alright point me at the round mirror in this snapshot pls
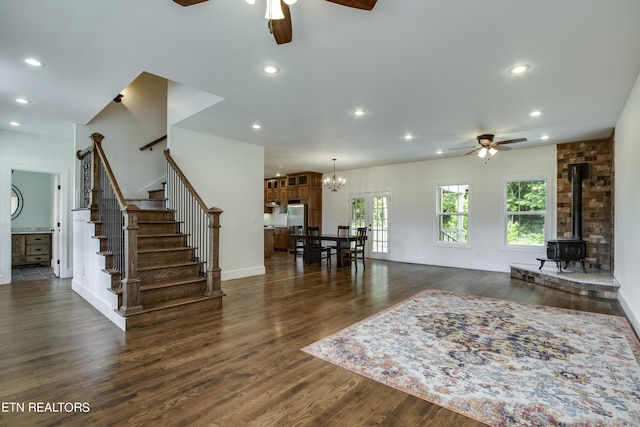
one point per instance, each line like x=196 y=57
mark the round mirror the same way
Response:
x=16 y=202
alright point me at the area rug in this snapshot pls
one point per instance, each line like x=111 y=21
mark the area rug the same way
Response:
x=498 y=362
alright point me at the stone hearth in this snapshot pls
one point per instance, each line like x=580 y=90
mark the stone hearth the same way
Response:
x=594 y=283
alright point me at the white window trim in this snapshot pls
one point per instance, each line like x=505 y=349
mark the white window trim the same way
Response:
x=436 y=218
x=549 y=214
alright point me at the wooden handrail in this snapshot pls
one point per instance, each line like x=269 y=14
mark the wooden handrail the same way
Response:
x=81 y=153
x=152 y=143
x=97 y=142
x=187 y=184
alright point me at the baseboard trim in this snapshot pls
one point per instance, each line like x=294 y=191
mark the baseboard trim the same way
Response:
x=635 y=322
x=241 y=273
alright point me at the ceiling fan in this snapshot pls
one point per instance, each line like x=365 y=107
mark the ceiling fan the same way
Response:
x=281 y=28
x=487 y=145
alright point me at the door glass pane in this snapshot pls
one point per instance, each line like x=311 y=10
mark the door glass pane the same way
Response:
x=379 y=226
x=357 y=214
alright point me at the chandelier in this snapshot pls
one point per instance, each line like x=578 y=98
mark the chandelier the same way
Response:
x=274 y=8
x=333 y=183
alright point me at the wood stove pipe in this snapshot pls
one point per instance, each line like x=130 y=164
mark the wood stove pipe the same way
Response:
x=577 y=172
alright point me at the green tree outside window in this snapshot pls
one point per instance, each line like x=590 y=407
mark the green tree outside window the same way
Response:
x=526 y=212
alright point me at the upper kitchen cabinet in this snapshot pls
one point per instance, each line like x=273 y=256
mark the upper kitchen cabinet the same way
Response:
x=299 y=185
x=275 y=191
x=272 y=190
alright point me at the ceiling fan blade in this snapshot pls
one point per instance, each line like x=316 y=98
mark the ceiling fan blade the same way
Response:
x=460 y=148
x=473 y=151
x=511 y=141
x=358 y=4
x=281 y=28
x=188 y=2
x=502 y=148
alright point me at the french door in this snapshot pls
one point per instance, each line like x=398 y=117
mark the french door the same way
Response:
x=371 y=210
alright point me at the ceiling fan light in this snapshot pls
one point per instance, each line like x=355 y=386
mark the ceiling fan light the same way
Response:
x=274 y=10
x=492 y=151
x=482 y=153
x=290 y=2
x=252 y=2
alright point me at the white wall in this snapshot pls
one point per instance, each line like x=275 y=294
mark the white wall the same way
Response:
x=627 y=206
x=140 y=118
x=412 y=234
x=37 y=154
x=37 y=191
x=228 y=175
x=89 y=279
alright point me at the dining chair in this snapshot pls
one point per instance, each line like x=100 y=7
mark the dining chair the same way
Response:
x=296 y=243
x=314 y=249
x=351 y=254
x=343 y=231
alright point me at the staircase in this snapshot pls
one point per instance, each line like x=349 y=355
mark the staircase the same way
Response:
x=172 y=282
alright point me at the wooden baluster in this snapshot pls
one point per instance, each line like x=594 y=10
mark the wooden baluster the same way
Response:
x=131 y=283
x=214 y=287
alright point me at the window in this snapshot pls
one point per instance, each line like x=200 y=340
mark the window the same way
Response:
x=453 y=213
x=526 y=207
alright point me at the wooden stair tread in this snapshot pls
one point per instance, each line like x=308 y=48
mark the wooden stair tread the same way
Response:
x=156 y=250
x=159 y=267
x=165 y=284
x=147 y=236
x=174 y=303
x=174 y=282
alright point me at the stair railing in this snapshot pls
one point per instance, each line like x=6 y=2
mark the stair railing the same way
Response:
x=198 y=222
x=119 y=221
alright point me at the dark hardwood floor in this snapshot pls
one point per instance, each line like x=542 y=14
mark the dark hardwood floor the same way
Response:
x=238 y=366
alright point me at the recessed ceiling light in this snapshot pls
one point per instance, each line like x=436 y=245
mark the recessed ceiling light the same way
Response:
x=535 y=113
x=256 y=126
x=22 y=100
x=439 y=152
x=270 y=69
x=408 y=137
x=34 y=62
x=14 y=123
x=359 y=112
x=545 y=137
x=519 y=69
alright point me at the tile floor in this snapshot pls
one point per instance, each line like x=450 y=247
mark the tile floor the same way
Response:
x=22 y=274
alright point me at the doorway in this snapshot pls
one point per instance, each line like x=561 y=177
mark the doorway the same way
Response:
x=35 y=225
x=372 y=210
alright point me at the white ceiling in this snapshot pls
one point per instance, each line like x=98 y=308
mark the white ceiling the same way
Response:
x=435 y=69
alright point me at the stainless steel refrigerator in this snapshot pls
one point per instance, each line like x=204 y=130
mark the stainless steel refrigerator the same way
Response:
x=297 y=216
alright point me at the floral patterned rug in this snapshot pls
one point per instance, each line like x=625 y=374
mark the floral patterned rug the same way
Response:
x=498 y=362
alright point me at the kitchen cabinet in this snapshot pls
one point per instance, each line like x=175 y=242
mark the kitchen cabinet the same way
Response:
x=305 y=187
x=275 y=190
x=30 y=249
x=280 y=238
x=268 y=242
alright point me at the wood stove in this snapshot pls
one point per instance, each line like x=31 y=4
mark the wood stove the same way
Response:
x=574 y=249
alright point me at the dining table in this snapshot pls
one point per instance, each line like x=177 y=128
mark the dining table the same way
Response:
x=342 y=242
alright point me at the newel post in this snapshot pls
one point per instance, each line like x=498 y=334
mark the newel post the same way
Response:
x=213 y=270
x=131 y=283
